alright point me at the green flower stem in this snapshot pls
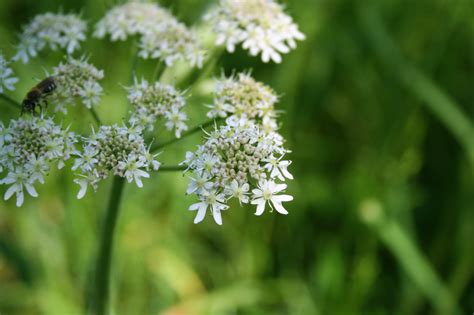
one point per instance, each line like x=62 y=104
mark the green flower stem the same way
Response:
x=409 y=256
x=433 y=97
x=198 y=74
x=95 y=116
x=100 y=296
x=159 y=69
x=190 y=132
x=10 y=101
x=173 y=168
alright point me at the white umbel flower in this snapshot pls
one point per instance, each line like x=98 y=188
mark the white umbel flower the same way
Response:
x=55 y=31
x=7 y=80
x=267 y=193
x=232 y=160
x=260 y=26
x=30 y=146
x=76 y=79
x=241 y=96
x=161 y=35
x=212 y=200
x=154 y=101
x=119 y=150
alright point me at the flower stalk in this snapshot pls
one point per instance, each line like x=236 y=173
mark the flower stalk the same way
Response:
x=100 y=297
x=190 y=132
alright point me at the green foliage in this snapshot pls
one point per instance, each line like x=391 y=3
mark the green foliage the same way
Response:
x=378 y=110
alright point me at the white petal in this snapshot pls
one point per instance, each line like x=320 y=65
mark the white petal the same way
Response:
x=260 y=205
x=31 y=190
x=10 y=191
x=217 y=216
x=19 y=198
x=279 y=207
x=201 y=213
x=83 y=189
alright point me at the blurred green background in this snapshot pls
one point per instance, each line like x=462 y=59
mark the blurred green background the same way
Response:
x=378 y=110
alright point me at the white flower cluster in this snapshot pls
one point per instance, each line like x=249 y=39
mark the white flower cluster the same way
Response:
x=7 y=80
x=151 y=101
x=64 y=31
x=162 y=36
x=29 y=147
x=242 y=97
x=235 y=158
x=117 y=149
x=76 y=78
x=261 y=26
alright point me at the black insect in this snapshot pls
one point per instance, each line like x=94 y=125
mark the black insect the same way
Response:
x=37 y=95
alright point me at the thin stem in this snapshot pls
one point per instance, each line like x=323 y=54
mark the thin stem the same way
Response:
x=100 y=297
x=439 y=103
x=184 y=135
x=159 y=69
x=198 y=74
x=95 y=116
x=409 y=256
x=10 y=101
x=173 y=168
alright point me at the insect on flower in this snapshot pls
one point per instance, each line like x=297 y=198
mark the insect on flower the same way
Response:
x=37 y=95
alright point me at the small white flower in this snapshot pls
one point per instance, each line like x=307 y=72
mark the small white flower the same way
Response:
x=267 y=192
x=30 y=147
x=212 y=200
x=238 y=191
x=199 y=184
x=132 y=166
x=242 y=98
x=7 y=80
x=162 y=36
x=152 y=101
x=176 y=120
x=76 y=79
x=54 y=31
x=90 y=94
x=261 y=26
x=37 y=168
x=278 y=168
x=119 y=150
x=234 y=157
x=18 y=180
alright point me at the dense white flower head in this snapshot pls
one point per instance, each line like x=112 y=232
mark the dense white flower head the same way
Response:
x=240 y=96
x=234 y=158
x=119 y=150
x=76 y=79
x=55 y=31
x=7 y=80
x=162 y=36
x=29 y=147
x=261 y=26
x=153 y=101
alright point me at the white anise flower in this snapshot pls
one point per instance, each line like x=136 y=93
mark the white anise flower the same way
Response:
x=161 y=35
x=119 y=150
x=76 y=79
x=30 y=146
x=240 y=96
x=238 y=191
x=7 y=80
x=152 y=101
x=212 y=200
x=63 y=31
x=261 y=26
x=233 y=158
x=267 y=193
x=278 y=168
